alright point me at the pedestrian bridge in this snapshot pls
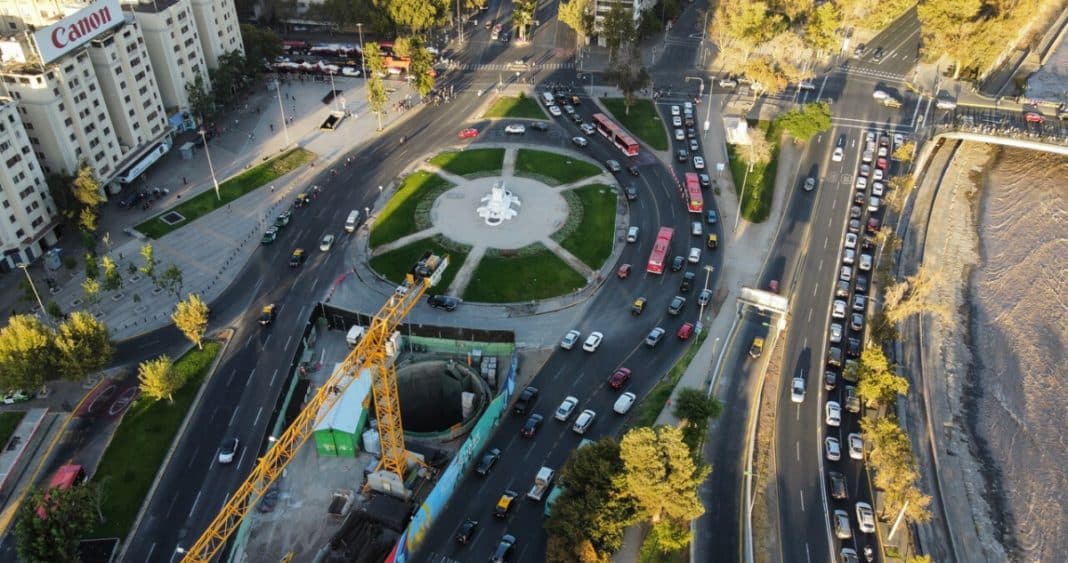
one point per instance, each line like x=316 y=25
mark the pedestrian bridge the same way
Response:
x=1007 y=128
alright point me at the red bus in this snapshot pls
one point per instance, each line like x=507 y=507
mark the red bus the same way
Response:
x=694 y=200
x=616 y=134
x=66 y=477
x=661 y=248
x=295 y=46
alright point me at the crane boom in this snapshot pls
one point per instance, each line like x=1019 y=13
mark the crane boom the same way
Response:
x=370 y=353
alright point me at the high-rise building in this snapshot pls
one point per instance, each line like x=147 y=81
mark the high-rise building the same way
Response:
x=174 y=45
x=27 y=214
x=218 y=28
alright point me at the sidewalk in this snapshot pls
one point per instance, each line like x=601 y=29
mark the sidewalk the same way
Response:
x=212 y=250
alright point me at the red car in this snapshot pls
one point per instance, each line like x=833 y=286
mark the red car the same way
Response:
x=623 y=272
x=619 y=378
x=773 y=286
x=1034 y=117
x=469 y=133
x=685 y=331
x=873 y=225
x=881 y=164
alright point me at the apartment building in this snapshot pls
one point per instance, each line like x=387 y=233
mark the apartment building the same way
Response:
x=170 y=31
x=218 y=28
x=602 y=7
x=27 y=213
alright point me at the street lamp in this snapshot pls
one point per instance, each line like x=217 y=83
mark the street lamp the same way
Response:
x=709 y=268
x=363 y=64
x=281 y=108
x=24 y=267
x=459 y=25
x=741 y=197
x=337 y=99
x=207 y=152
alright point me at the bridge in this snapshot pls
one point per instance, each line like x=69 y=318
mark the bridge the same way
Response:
x=1000 y=127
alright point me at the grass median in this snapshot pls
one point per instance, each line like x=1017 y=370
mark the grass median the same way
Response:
x=397 y=218
x=591 y=227
x=140 y=444
x=533 y=272
x=229 y=190
x=470 y=161
x=759 y=182
x=553 y=168
x=9 y=421
x=643 y=120
x=396 y=263
x=657 y=399
x=516 y=106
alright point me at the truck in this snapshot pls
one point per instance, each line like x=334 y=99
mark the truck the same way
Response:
x=542 y=481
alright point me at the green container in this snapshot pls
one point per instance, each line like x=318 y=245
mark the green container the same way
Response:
x=345 y=442
x=324 y=442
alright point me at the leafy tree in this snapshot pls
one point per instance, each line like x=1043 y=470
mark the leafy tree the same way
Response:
x=618 y=28
x=84 y=346
x=87 y=220
x=27 y=353
x=807 y=122
x=759 y=149
x=669 y=535
x=159 y=379
x=882 y=330
x=905 y=151
x=86 y=188
x=171 y=280
x=416 y=16
x=227 y=79
x=112 y=276
x=877 y=382
x=919 y=559
x=746 y=23
x=376 y=97
x=578 y=15
x=91 y=291
x=766 y=75
x=821 y=27
x=201 y=103
x=631 y=77
x=54 y=310
x=92 y=269
x=261 y=44
x=914 y=296
x=403 y=47
x=191 y=317
x=149 y=267
x=67 y=518
x=946 y=28
x=695 y=409
x=523 y=15
x=421 y=67
x=373 y=59
x=660 y=474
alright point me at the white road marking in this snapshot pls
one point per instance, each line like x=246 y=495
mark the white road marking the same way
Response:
x=802 y=500
x=288 y=340
x=193 y=457
x=266 y=340
x=809 y=316
x=798 y=448
x=258 y=413
x=313 y=283
x=152 y=547
x=273 y=375
x=231 y=423
x=194 y=508
x=231 y=379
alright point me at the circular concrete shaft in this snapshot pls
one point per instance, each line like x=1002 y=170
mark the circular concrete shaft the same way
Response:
x=542 y=213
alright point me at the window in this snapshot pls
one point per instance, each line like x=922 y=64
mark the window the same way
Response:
x=68 y=122
x=4 y=146
x=13 y=160
x=37 y=222
x=62 y=107
x=19 y=233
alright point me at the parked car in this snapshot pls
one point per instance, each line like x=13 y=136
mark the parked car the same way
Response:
x=839 y=490
x=865 y=518
x=624 y=402
x=832 y=448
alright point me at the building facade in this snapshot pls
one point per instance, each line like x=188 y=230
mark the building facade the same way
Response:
x=28 y=215
x=218 y=28
x=174 y=45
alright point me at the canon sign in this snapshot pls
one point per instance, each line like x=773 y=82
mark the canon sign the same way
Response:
x=77 y=29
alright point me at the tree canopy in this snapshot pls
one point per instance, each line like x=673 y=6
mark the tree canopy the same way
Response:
x=49 y=524
x=577 y=14
x=877 y=381
x=191 y=317
x=807 y=122
x=159 y=379
x=83 y=346
x=660 y=474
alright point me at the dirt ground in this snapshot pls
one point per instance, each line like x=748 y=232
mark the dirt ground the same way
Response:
x=1003 y=253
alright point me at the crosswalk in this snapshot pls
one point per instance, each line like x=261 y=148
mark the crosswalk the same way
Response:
x=862 y=71
x=513 y=66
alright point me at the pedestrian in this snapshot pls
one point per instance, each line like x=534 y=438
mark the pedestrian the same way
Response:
x=272 y=127
x=184 y=182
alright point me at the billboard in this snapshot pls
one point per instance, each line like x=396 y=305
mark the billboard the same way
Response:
x=77 y=29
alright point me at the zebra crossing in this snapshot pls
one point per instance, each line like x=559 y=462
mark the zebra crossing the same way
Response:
x=862 y=71
x=513 y=66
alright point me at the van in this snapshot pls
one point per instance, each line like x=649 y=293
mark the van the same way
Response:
x=355 y=335
x=352 y=221
x=945 y=104
x=547 y=98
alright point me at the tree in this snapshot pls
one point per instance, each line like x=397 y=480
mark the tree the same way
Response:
x=807 y=122
x=822 y=26
x=159 y=379
x=191 y=317
x=946 y=28
x=373 y=59
x=523 y=16
x=877 y=381
x=695 y=409
x=92 y=269
x=87 y=220
x=227 y=79
x=670 y=535
x=376 y=97
x=171 y=280
x=261 y=44
x=576 y=14
x=759 y=150
x=766 y=75
x=91 y=291
x=915 y=296
x=618 y=28
x=201 y=103
x=112 y=276
x=84 y=346
x=87 y=193
x=27 y=353
x=631 y=77
x=747 y=23
x=402 y=47
x=904 y=152
x=660 y=474
x=67 y=518
x=421 y=67
x=415 y=16
x=149 y=267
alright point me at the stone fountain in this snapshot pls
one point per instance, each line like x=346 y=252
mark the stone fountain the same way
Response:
x=497 y=206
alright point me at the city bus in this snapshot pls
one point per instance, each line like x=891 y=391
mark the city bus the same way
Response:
x=695 y=202
x=661 y=248
x=66 y=477
x=614 y=133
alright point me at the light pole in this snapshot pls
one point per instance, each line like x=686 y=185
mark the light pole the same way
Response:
x=708 y=110
x=337 y=100
x=709 y=268
x=281 y=108
x=211 y=168
x=363 y=64
x=459 y=25
x=741 y=197
x=24 y=267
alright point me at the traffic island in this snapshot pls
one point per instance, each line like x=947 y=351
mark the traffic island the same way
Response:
x=395 y=264
x=642 y=119
x=553 y=168
x=398 y=218
x=533 y=272
x=756 y=184
x=590 y=228
x=516 y=106
x=470 y=162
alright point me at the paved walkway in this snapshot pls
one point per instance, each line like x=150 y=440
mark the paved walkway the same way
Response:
x=211 y=250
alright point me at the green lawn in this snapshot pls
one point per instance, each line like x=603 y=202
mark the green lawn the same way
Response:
x=553 y=168
x=229 y=190
x=536 y=273
x=399 y=261
x=591 y=239
x=9 y=421
x=516 y=106
x=760 y=182
x=397 y=218
x=141 y=441
x=471 y=161
x=654 y=402
x=644 y=121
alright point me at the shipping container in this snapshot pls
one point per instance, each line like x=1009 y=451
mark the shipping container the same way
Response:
x=324 y=442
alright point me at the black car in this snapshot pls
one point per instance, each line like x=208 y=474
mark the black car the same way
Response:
x=677 y=263
x=682 y=155
x=677 y=303
x=443 y=302
x=576 y=118
x=838 y=485
x=489 y=459
x=633 y=171
x=632 y=192
x=467 y=531
x=504 y=549
x=704 y=180
x=687 y=281
x=530 y=427
x=526 y=399
x=862 y=284
x=830 y=380
x=539 y=126
x=834 y=357
x=853 y=348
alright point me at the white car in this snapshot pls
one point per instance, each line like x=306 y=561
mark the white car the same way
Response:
x=833 y=448
x=899 y=140
x=841 y=525
x=624 y=402
x=593 y=341
x=865 y=262
x=584 y=421
x=862 y=183
x=680 y=135
x=880 y=95
x=877 y=174
x=869 y=137
x=873 y=204
x=563 y=412
x=839 y=309
x=515 y=129
x=856 y=446
x=326 y=243
x=851 y=240
x=696 y=229
x=570 y=339
x=877 y=189
x=836 y=333
x=865 y=518
x=675 y=111
x=632 y=234
x=580 y=141
x=613 y=165
x=846 y=274
x=848 y=255
x=797 y=390
x=833 y=414
x=866 y=157
x=695 y=255
x=587 y=128
x=698 y=163
x=676 y=121
x=838 y=154
x=555 y=111
x=883 y=151
x=228 y=450
x=865 y=170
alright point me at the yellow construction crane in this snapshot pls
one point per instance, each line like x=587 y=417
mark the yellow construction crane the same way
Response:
x=371 y=353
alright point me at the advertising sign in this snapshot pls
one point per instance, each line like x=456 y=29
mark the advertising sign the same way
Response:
x=77 y=29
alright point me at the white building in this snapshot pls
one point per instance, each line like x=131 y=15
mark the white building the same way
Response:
x=27 y=214
x=218 y=28
x=174 y=45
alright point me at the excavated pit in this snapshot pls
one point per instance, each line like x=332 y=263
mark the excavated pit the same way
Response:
x=431 y=395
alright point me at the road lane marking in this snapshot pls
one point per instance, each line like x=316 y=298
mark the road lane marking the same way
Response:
x=232 y=416
x=194 y=508
x=266 y=340
x=193 y=457
x=802 y=492
x=300 y=314
x=288 y=341
x=231 y=379
x=809 y=316
x=798 y=452
x=258 y=413
x=151 y=548
x=273 y=375
x=249 y=341
x=808 y=556
x=314 y=282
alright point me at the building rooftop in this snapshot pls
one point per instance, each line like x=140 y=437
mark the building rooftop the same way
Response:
x=150 y=6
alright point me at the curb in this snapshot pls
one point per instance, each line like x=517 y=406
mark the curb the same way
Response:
x=174 y=444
